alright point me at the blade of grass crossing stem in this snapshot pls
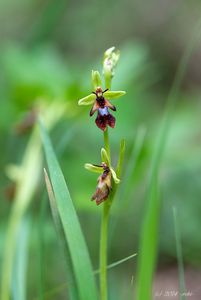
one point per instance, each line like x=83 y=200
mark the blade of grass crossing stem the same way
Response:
x=20 y=265
x=117 y=263
x=59 y=288
x=77 y=247
x=148 y=245
x=72 y=290
x=182 y=288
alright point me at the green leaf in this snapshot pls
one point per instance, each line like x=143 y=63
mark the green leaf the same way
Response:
x=148 y=245
x=105 y=157
x=77 y=247
x=88 y=100
x=149 y=235
x=19 y=274
x=114 y=94
x=93 y=168
x=69 y=270
x=96 y=79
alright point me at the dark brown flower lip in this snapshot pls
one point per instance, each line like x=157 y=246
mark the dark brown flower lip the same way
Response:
x=103 y=120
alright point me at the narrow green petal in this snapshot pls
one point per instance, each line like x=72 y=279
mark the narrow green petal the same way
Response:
x=114 y=94
x=87 y=100
x=104 y=157
x=114 y=175
x=96 y=79
x=93 y=168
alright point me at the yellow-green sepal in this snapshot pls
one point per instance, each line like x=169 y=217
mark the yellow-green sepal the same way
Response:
x=114 y=94
x=93 y=168
x=88 y=100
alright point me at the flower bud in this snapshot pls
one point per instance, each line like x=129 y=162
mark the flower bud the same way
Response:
x=110 y=60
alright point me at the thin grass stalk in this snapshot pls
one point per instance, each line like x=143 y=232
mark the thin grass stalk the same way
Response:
x=147 y=258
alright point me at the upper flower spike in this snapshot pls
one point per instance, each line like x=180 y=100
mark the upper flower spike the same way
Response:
x=100 y=100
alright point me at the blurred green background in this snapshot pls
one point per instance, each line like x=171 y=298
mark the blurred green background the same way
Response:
x=47 y=51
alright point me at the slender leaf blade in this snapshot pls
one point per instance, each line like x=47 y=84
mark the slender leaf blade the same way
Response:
x=21 y=256
x=72 y=289
x=74 y=236
x=148 y=246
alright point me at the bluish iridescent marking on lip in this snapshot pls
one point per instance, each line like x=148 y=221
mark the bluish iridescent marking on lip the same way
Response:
x=103 y=111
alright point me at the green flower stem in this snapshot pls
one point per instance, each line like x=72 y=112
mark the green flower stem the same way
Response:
x=104 y=234
x=107 y=144
x=103 y=251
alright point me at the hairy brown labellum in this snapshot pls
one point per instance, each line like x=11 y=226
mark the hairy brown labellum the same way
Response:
x=104 y=186
x=103 y=120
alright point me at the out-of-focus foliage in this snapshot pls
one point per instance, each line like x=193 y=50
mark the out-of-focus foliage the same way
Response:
x=47 y=52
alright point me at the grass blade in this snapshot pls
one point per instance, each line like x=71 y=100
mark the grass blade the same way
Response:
x=148 y=246
x=182 y=289
x=149 y=235
x=26 y=179
x=20 y=266
x=70 y=276
x=59 y=288
x=116 y=263
x=73 y=234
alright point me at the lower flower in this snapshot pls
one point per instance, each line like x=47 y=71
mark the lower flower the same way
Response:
x=104 y=186
x=108 y=175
